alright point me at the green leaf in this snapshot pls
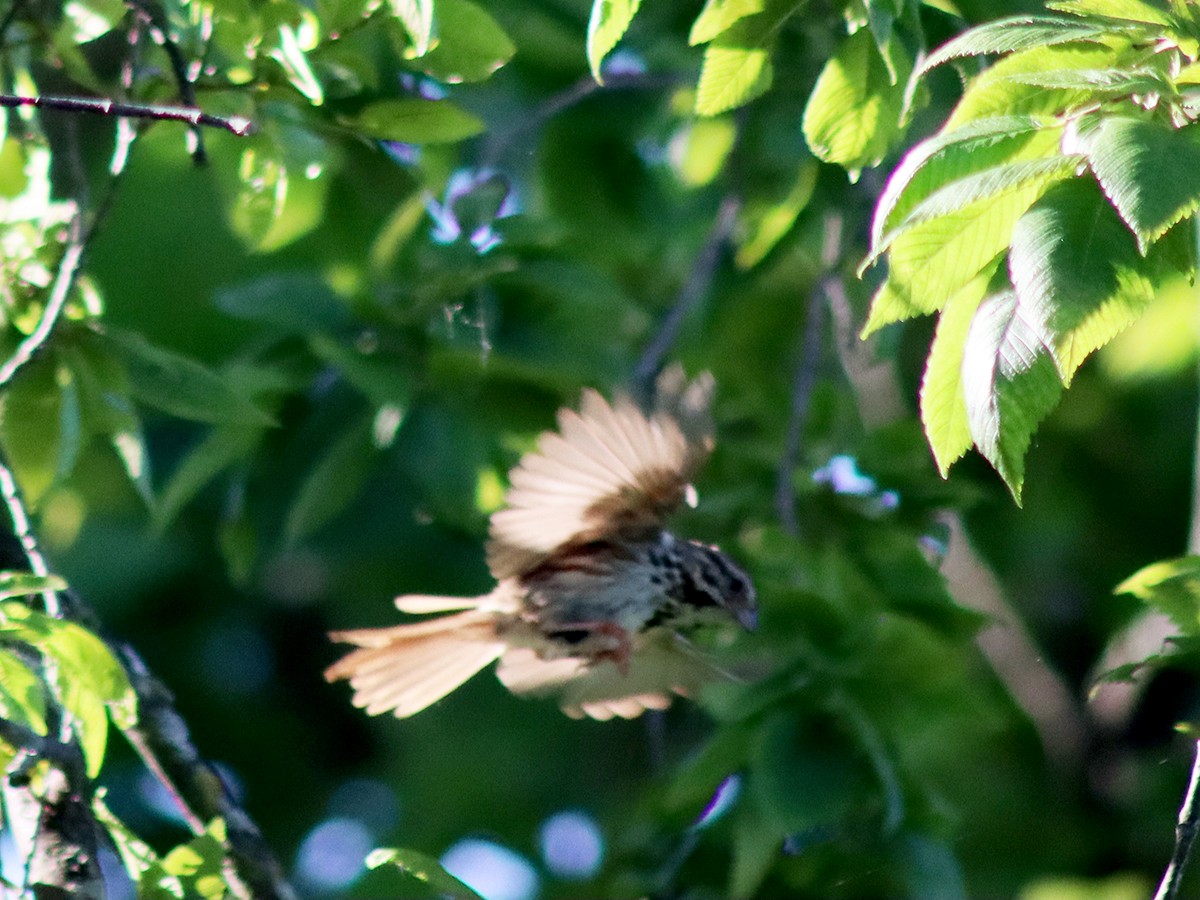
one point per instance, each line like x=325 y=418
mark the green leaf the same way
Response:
x=764 y=224
x=333 y=482
x=424 y=868
x=1149 y=171
x=703 y=147
x=1121 y=81
x=40 y=426
x=1009 y=384
x=756 y=844
x=1012 y=34
x=718 y=16
x=737 y=65
x=181 y=386
x=291 y=58
x=22 y=695
x=142 y=864
x=853 y=114
x=953 y=155
x=471 y=44
x=996 y=92
x=292 y=302
x=223 y=447
x=607 y=24
x=943 y=404
x=930 y=262
x=1127 y=10
x=416 y=121
x=417 y=18
x=1172 y=587
x=200 y=863
x=24 y=584
x=1077 y=273
x=262 y=194
x=88 y=680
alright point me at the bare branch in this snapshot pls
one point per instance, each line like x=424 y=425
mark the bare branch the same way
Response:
x=1185 y=835
x=101 y=106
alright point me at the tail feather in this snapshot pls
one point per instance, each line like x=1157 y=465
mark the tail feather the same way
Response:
x=419 y=604
x=406 y=668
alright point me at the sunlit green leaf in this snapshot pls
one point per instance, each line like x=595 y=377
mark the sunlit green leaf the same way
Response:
x=607 y=25
x=1011 y=34
x=417 y=18
x=295 y=64
x=1149 y=171
x=737 y=65
x=423 y=868
x=1172 y=587
x=853 y=113
x=23 y=584
x=1009 y=384
x=1077 y=272
x=22 y=695
x=718 y=16
x=1130 y=10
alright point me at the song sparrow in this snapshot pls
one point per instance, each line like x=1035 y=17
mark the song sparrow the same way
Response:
x=592 y=594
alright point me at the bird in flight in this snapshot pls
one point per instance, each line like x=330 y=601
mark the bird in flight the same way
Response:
x=593 y=595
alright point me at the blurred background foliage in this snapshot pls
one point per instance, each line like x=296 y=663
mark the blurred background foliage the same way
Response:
x=290 y=382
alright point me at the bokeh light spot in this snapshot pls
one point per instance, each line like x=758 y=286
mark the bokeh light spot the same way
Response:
x=492 y=871
x=571 y=844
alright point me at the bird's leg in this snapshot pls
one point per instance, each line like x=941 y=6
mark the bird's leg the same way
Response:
x=620 y=644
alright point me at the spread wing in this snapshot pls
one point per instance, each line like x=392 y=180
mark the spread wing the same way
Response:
x=661 y=665
x=609 y=471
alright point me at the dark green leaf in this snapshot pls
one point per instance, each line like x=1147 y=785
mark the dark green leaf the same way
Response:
x=40 y=426
x=224 y=446
x=181 y=386
x=416 y=121
x=293 y=302
x=471 y=44
x=335 y=479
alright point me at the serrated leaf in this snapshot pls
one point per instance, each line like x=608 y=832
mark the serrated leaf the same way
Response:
x=1013 y=34
x=417 y=18
x=930 y=262
x=607 y=24
x=730 y=77
x=959 y=194
x=1171 y=586
x=1128 y=10
x=335 y=479
x=943 y=404
x=853 y=114
x=995 y=92
x=471 y=44
x=1149 y=171
x=952 y=155
x=1009 y=384
x=1115 y=80
x=223 y=447
x=414 y=121
x=718 y=16
x=1077 y=273
x=180 y=386
x=141 y=862
x=424 y=868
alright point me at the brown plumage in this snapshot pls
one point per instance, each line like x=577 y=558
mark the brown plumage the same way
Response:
x=592 y=595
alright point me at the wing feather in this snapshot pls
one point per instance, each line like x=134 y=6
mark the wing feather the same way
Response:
x=609 y=469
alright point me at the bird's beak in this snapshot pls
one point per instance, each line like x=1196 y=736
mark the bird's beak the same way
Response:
x=747 y=617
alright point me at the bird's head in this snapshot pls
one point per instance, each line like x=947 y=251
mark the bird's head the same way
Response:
x=714 y=580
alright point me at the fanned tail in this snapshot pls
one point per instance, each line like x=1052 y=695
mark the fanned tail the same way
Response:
x=405 y=668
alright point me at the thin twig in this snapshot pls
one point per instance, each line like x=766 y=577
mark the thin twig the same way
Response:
x=160 y=30
x=827 y=290
x=693 y=291
x=102 y=106
x=68 y=268
x=1185 y=835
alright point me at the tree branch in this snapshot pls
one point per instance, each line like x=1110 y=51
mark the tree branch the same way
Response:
x=693 y=291
x=101 y=106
